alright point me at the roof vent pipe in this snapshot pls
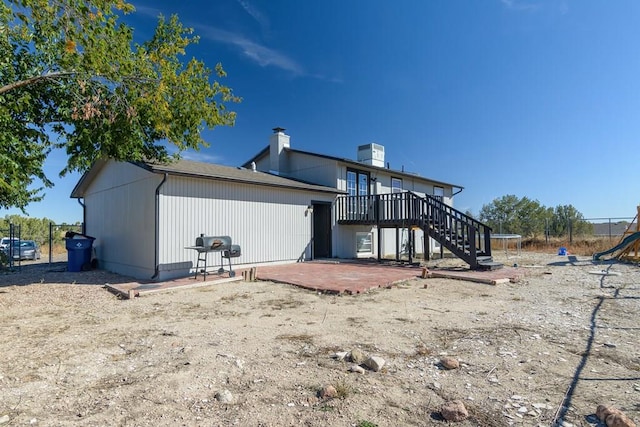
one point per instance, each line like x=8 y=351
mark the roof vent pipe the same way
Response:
x=253 y=166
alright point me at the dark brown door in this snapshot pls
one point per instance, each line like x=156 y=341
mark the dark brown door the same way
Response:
x=321 y=230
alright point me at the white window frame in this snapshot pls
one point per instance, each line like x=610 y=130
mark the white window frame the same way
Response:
x=395 y=188
x=364 y=243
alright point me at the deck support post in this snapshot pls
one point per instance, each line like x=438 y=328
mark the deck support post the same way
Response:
x=410 y=244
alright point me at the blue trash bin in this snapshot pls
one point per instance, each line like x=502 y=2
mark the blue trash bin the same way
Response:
x=78 y=254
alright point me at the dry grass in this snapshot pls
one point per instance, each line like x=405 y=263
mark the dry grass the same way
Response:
x=584 y=246
x=58 y=249
x=343 y=390
x=297 y=338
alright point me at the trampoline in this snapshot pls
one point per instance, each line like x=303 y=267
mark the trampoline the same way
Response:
x=505 y=242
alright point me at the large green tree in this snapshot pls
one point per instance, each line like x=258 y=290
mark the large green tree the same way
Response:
x=510 y=214
x=72 y=78
x=567 y=219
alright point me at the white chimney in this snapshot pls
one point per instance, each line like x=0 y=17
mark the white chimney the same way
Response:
x=371 y=154
x=277 y=143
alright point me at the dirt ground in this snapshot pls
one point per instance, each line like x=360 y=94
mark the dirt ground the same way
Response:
x=544 y=351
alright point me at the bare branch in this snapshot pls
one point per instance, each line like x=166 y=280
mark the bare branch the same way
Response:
x=36 y=79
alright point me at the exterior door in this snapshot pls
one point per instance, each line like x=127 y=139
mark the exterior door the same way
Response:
x=358 y=185
x=321 y=230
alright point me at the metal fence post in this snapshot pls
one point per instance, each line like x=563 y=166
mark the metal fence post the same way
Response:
x=50 y=242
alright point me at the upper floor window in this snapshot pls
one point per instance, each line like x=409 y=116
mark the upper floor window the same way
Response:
x=357 y=183
x=438 y=192
x=396 y=185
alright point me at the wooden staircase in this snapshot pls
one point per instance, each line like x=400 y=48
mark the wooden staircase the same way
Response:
x=464 y=236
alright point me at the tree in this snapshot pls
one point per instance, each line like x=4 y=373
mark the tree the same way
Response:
x=72 y=78
x=509 y=214
x=566 y=218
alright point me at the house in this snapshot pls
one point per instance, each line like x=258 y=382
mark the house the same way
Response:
x=363 y=178
x=283 y=205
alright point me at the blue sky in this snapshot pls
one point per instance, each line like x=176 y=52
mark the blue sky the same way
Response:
x=533 y=98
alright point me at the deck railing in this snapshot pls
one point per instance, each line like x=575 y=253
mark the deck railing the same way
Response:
x=458 y=232
x=469 y=234
x=379 y=209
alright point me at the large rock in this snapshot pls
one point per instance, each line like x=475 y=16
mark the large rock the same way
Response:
x=454 y=410
x=613 y=417
x=603 y=411
x=224 y=396
x=449 y=363
x=328 y=392
x=356 y=368
x=375 y=363
x=357 y=356
x=619 y=420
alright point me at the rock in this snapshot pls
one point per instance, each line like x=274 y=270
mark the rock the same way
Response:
x=541 y=406
x=4 y=419
x=449 y=363
x=375 y=363
x=328 y=392
x=339 y=355
x=619 y=420
x=603 y=411
x=356 y=368
x=224 y=396
x=357 y=356
x=454 y=410
x=613 y=417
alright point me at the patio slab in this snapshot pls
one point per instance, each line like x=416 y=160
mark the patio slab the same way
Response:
x=327 y=276
x=337 y=276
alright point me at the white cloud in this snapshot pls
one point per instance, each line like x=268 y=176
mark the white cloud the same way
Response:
x=199 y=156
x=260 y=18
x=149 y=11
x=258 y=53
x=519 y=5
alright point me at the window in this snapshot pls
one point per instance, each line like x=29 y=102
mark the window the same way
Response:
x=438 y=192
x=351 y=183
x=357 y=185
x=363 y=242
x=396 y=185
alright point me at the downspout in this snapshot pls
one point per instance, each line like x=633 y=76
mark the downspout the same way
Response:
x=157 y=226
x=84 y=216
x=457 y=192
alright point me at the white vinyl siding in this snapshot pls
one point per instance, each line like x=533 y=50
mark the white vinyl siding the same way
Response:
x=269 y=224
x=120 y=207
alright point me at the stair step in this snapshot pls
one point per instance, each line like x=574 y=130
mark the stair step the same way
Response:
x=487 y=263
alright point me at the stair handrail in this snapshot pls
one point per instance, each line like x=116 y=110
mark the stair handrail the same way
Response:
x=475 y=227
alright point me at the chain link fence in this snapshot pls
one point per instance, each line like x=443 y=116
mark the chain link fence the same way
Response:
x=612 y=228
x=50 y=243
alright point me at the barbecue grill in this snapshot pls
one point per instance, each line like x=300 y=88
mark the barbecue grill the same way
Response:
x=222 y=244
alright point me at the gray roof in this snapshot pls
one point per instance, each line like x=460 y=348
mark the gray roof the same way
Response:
x=203 y=170
x=237 y=174
x=360 y=165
